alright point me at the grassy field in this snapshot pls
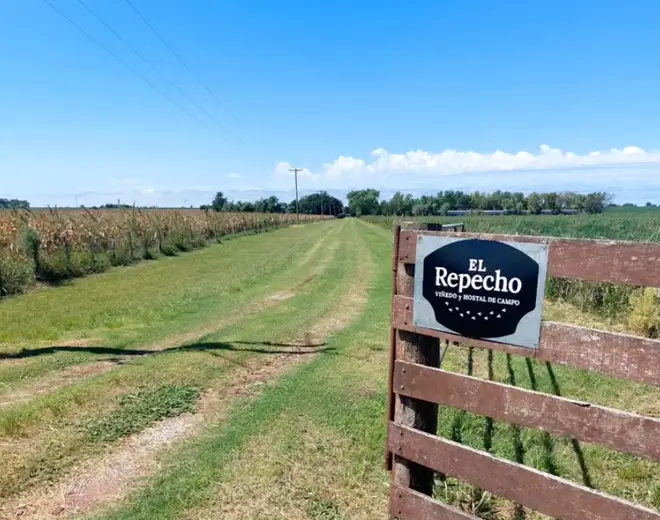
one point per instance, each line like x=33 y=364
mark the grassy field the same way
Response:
x=248 y=380
x=613 y=304
x=642 y=226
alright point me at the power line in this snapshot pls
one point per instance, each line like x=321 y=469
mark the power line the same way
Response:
x=120 y=38
x=146 y=22
x=47 y=2
x=192 y=73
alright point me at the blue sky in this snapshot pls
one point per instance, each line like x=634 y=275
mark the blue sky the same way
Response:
x=411 y=95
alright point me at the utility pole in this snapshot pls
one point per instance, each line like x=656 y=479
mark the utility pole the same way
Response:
x=295 y=173
x=322 y=195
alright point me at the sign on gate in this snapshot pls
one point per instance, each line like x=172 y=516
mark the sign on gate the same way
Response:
x=480 y=289
x=486 y=292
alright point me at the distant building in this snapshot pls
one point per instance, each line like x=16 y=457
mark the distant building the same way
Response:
x=466 y=212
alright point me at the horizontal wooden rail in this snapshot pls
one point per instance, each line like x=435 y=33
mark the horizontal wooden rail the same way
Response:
x=618 y=355
x=631 y=263
x=545 y=493
x=407 y=504
x=622 y=431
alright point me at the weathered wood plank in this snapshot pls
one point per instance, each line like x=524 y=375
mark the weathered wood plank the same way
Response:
x=542 y=492
x=632 y=263
x=407 y=504
x=392 y=347
x=424 y=350
x=622 y=431
x=618 y=355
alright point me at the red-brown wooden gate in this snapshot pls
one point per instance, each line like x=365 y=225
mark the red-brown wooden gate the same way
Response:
x=417 y=386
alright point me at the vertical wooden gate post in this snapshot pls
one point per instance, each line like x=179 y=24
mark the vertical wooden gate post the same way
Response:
x=421 y=415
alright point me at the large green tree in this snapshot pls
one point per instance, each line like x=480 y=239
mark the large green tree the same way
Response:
x=363 y=202
x=219 y=202
x=321 y=203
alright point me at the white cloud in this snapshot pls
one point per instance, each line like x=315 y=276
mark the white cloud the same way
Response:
x=452 y=162
x=630 y=172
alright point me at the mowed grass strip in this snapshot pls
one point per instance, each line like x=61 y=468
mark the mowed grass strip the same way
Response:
x=35 y=454
x=190 y=480
x=179 y=298
x=312 y=446
x=110 y=301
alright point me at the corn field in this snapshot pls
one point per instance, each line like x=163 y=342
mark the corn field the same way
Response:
x=51 y=246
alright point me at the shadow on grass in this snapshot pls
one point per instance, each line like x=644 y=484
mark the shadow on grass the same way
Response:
x=518 y=446
x=488 y=430
x=548 y=448
x=260 y=347
x=586 y=477
x=546 y=439
x=459 y=418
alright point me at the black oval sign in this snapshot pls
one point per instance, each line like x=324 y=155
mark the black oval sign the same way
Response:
x=480 y=288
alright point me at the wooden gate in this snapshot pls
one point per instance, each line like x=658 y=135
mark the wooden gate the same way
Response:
x=414 y=452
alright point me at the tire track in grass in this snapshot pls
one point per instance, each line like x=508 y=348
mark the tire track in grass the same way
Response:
x=79 y=372
x=99 y=483
x=275 y=476
x=54 y=382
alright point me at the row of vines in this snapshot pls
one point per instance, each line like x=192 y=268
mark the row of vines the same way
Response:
x=53 y=246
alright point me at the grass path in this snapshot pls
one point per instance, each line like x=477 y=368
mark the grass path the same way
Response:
x=316 y=304
x=188 y=485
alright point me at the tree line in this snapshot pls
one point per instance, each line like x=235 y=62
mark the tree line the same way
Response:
x=320 y=203
x=368 y=202
x=14 y=204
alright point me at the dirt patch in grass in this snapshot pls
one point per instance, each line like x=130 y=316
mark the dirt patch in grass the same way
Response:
x=280 y=296
x=52 y=382
x=107 y=479
x=103 y=480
